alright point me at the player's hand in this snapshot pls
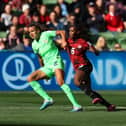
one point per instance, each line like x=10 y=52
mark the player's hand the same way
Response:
x=119 y=30
x=64 y=45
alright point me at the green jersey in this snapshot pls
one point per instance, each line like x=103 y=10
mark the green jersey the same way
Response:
x=46 y=47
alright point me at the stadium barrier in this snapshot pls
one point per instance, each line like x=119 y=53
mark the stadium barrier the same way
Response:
x=109 y=71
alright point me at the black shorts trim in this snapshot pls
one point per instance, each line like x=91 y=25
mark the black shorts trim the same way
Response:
x=86 y=68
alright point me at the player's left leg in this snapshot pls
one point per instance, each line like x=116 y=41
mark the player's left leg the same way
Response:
x=59 y=73
x=82 y=80
x=32 y=79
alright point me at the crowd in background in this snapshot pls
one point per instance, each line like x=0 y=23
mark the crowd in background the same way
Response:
x=94 y=15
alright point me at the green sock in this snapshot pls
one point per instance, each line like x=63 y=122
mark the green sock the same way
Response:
x=39 y=90
x=69 y=94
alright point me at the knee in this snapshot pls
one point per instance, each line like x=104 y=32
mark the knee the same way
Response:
x=88 y=92
x=60 y=82
x=29 y=79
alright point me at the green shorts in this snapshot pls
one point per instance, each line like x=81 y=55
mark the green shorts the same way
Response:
x=51 y=66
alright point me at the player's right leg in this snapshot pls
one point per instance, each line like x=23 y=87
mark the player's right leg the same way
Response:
x=32 y=79
x=59 y=73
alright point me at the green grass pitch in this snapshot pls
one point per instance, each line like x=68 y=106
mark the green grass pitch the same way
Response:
x=22 y=109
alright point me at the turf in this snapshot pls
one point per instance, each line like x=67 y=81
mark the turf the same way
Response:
x=22 y=109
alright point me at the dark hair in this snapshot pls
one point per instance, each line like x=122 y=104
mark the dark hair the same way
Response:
x=72 y=14
x=110 y=4
x=35 y=14
x=82 y=31
x=39 y=26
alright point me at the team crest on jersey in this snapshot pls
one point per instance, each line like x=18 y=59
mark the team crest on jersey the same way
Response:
x=79 y=46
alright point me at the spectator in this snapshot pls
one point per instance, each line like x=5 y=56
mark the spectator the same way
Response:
x=114 y=22
x=95 y=22
x=6 y=16
x=15 y=22
x=54 y=24
x=119 y=5
x=2 y=44
x=83 y=6
x=101 y=44
x=71 y=21
x=57 y=10
x=25 y=18
x=100 y=6
x=2 y=5
x=60 y=18
x=13 y=41
x=27 y=43
x=44 y=18
x=64 y=7
x=17 y=5
x=33 y=4
x=36 y=17
x=118 y=47
x=73 y=5
x=2 y=26
x=78 y=13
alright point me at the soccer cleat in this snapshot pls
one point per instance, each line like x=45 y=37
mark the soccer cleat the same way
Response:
x=46 y=104
x=96 y=100
x=111 y=108
x=77 y=109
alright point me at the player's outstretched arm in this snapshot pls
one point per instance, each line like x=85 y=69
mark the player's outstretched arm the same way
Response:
x=62 y=42
x=93 y=49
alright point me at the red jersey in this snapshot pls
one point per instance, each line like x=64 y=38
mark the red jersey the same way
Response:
x=76 y=50
x=25 y=20
x=114 y=22
x=44 y=19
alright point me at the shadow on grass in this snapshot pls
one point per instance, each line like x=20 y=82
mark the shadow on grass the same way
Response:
x=118 y=108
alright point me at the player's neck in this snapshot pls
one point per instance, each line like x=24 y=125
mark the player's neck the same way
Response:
x=38 y=37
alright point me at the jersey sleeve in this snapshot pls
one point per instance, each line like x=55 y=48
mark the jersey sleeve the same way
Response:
x=34 y=48
x=35 y=51
x=86 y=45
x=50 y=33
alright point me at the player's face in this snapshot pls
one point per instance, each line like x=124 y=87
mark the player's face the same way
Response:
x=33 y=32
x=72 y=32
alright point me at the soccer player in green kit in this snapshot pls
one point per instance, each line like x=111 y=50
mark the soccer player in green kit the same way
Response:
x=52 y=64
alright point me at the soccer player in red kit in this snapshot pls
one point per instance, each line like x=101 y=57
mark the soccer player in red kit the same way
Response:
x=77 y=48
